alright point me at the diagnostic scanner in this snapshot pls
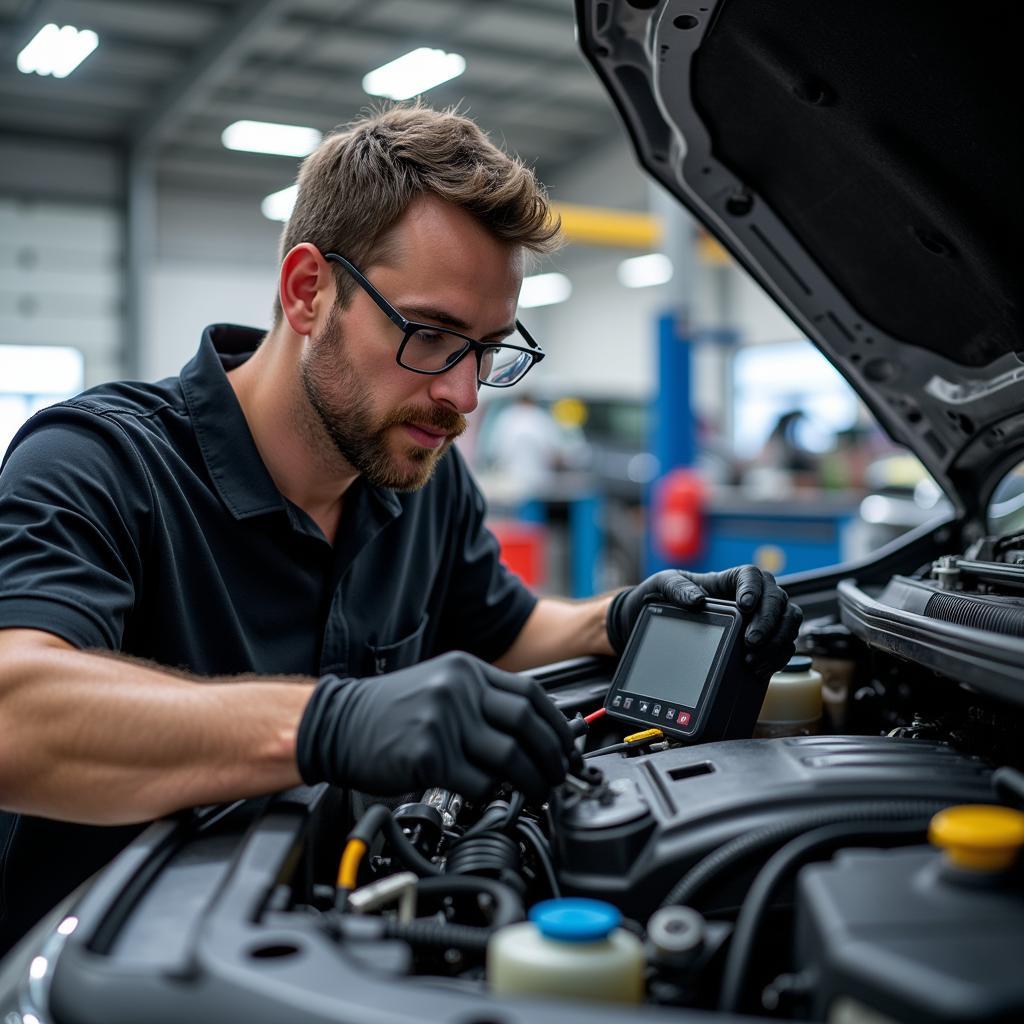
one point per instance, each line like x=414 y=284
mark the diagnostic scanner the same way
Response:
x=685 y=672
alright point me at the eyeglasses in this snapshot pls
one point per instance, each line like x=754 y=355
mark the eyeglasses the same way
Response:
x=427 y=348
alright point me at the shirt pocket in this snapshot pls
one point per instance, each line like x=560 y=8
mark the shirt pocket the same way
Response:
x=400 y=654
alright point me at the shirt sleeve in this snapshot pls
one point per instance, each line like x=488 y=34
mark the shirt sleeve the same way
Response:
x=487 y=605
x=74 y=501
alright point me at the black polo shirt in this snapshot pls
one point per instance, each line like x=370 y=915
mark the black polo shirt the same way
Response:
x=140 y=518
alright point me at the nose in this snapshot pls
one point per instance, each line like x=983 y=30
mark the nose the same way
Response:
x=457 y=388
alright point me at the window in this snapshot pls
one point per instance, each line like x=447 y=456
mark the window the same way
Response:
x=793 y=376
x=32 y=377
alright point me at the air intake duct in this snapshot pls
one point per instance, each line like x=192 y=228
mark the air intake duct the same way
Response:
x=977 y=613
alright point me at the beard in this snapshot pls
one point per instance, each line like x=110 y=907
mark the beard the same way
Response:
x=341 y=403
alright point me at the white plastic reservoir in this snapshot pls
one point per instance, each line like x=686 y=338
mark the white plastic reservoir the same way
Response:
x=792 y=705
x=569 y=947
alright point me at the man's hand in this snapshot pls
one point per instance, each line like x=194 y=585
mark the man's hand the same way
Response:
x=772 y=622
x=453 y=721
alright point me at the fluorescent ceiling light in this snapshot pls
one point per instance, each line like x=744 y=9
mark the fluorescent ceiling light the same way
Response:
x=413 y=73
x=266 y=137
x=278 y=205
x=544 y=290
x=644 y=271
x=57 y=51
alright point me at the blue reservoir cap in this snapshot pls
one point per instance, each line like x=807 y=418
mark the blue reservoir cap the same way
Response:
x=575 y=920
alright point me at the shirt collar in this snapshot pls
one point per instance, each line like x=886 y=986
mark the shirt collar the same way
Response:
x=229 y=451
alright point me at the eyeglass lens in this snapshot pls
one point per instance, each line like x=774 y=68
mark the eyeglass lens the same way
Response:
x=434 y=350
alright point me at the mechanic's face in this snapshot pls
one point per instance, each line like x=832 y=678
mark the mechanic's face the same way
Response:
x=388 y=423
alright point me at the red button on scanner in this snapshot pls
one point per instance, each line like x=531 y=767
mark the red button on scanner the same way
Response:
x=683 y=718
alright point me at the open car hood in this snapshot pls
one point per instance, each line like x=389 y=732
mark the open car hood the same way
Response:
x=864 y=164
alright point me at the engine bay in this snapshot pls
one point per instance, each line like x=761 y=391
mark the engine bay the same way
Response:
x=787 y=877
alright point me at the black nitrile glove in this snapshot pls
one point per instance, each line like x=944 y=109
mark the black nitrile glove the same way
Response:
x=772 y=621
x=453 y=721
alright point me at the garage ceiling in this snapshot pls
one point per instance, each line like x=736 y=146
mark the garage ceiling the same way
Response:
x=171 y=75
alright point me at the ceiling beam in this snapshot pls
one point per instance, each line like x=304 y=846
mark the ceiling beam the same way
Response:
x=219 y=58
x=107 y=94
x=51 y=120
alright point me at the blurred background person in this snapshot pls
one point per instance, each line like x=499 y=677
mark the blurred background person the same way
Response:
x=523 y=450
x=783 y=464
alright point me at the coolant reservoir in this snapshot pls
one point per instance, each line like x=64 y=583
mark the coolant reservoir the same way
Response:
x=792 y=705
x=831 y=651
x=569 y=947
x=912 y=934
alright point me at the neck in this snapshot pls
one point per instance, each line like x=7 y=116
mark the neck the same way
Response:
x=290 y=439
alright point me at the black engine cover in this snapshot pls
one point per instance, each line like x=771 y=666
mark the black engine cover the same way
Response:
x=662 y=812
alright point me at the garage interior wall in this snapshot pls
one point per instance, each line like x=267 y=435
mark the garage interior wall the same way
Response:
x=62 y=285
x=216 y=262
x=61 y=251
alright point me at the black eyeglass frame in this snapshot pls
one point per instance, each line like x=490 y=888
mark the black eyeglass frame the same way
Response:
x=410 y=327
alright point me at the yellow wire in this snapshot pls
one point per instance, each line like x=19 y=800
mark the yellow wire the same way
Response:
x=647 y=734
x=348 y=869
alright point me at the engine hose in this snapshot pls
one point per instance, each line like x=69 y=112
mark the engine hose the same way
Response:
x=506 y=906
x=779 y=866
x=482 y=853
x=530 y=831
x=378 y=819
x=515 y=808
x=499 y=815
x=1009 y=784
x=491 y=818
x=735 y=850
x=977 y=613
x=492 y=854
x=438 y=934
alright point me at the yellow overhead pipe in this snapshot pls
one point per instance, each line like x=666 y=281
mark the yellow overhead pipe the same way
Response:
x=628 y=229
x=595 y=225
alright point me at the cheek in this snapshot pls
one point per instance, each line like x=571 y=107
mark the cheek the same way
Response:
x=398 y=386
x=373 y=378
x=385 y=397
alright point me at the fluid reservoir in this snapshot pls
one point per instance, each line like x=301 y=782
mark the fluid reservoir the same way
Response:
x=831 y=650
x=792 y=705
x=915 y=934
x=569 y=947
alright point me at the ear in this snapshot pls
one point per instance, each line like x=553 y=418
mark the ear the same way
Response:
x=306 y=287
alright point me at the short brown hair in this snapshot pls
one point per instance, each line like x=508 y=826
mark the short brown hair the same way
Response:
x=359 y=181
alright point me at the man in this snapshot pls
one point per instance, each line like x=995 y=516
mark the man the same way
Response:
x=181 y=562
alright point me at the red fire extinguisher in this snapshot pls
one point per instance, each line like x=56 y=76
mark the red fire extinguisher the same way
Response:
x=678 y=515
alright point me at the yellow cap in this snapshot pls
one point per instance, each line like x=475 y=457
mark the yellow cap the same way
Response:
x=979 y=837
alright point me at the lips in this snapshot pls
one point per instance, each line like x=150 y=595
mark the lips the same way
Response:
x=426 y=437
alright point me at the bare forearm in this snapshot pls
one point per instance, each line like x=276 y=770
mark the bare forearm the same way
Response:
x=96 y=739
x=557 y=630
